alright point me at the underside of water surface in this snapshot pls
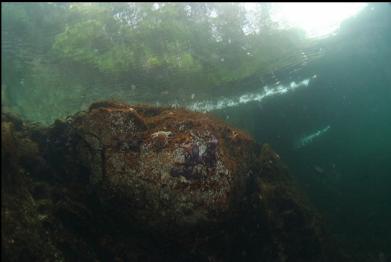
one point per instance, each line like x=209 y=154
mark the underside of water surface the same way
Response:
x=196 y=131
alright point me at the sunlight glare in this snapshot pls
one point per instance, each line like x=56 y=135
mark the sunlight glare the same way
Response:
x=316 y=19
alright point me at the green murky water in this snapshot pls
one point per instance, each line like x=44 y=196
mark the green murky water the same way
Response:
x=324 y=103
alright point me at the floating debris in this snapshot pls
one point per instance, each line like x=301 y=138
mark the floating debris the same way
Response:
x=319 y=169
x=311 y=137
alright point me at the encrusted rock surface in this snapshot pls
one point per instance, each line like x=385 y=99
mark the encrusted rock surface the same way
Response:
x=171 y=168
x=140 y=183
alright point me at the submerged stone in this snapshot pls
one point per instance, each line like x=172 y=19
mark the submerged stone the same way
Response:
x=140 y=183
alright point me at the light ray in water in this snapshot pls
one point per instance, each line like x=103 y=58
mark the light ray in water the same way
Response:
x=310 y=138
x=206 y=106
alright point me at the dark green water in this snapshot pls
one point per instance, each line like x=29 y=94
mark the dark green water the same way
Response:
x=346 y=170
x=333 y=130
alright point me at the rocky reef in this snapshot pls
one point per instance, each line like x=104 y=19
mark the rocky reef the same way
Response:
x=142 y=183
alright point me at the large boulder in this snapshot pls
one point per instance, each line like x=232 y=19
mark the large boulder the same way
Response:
x=162 y=167
x=141 y=183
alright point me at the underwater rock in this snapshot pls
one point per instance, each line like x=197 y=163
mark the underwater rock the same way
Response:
x=141 y=183
x=172 y=171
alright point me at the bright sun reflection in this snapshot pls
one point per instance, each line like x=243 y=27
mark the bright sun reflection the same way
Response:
x=316 y=19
